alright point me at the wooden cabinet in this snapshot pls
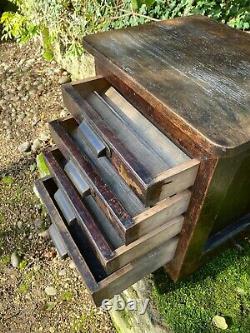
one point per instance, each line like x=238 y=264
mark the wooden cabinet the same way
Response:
x=152 y=167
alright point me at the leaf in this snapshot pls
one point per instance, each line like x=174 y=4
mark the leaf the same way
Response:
x=67 y=296
x=48 y=55
x=23 y=264
x=220 y=322
x=149 y=3
x=42 y=165
x=135 y=4
x=8 y=180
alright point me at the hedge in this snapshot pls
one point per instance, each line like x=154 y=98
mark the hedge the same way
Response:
x=67 y=21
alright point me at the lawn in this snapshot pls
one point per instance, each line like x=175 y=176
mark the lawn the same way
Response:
x=221 y=287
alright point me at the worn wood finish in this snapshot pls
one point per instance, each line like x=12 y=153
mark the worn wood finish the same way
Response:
x=143 y=219
x=193 y=111
x=212 y=216
x=45 y=187
x=185 y=75
x=139 y=248
x=105 y=197
x=117 y=122
x=201 y=190
x=199 y=98
x=100 y=284
x=148 y=133
x=164 y=226
x=89 y=227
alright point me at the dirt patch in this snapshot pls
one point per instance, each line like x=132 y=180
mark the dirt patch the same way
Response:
x=30 y=97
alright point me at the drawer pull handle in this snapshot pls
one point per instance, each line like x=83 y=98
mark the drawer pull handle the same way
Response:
x=64 y=206
x=58 y=241
x=95 y=143
x=77 y=178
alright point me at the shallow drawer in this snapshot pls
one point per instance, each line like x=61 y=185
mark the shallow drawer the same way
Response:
x=121 y=206
x=151 y=164
x=104 y=239
x=101 y=284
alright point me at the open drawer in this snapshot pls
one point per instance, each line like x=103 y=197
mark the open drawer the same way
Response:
x=110 y=249
x=100 y=284
x=123 y=209
x=151 y=164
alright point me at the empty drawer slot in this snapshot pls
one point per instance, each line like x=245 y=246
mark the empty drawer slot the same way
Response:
x=130 y=217
x=151 y=164
x=100 y=284
x=121 y=253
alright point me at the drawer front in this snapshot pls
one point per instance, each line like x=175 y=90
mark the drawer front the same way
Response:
x=125 y=211
x=145 y=158
x=112 y=251
x=101 y=284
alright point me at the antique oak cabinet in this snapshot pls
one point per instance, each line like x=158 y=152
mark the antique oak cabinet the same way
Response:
x=152 y=168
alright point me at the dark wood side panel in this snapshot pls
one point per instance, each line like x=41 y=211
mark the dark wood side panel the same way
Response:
x=208 y=211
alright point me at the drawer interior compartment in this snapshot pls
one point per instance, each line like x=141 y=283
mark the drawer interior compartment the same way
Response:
x=110 y=249
x=125 y=211
x=101 y=284
x=151 y=164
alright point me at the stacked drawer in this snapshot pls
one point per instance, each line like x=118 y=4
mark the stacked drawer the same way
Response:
x=118 y=189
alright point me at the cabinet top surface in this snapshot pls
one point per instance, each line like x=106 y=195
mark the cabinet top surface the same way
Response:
x=197 y=69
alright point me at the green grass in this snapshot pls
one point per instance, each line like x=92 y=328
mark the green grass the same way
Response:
x=221 y=287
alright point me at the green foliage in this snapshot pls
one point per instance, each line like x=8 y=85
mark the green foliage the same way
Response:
x=136 y=4
x=17 y=26
x=67 y=21
x=4 y=261
x=23 y=264
x=235 y=13
x=67 y=296
x=221 y=287
x=7 y=180
x=42 y=165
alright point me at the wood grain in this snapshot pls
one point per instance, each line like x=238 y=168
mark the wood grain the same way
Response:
x=143 y=220
x=193 y=65
x=112 y=207
x=104 y=286
x=140 y=153
x=89 y=227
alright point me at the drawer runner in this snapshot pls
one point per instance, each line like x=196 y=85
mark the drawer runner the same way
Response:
x=142 y=222
x=152 y=165
x=101 y=284
x=166 y=224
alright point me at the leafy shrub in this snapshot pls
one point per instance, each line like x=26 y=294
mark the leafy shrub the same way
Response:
x=67 y=21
